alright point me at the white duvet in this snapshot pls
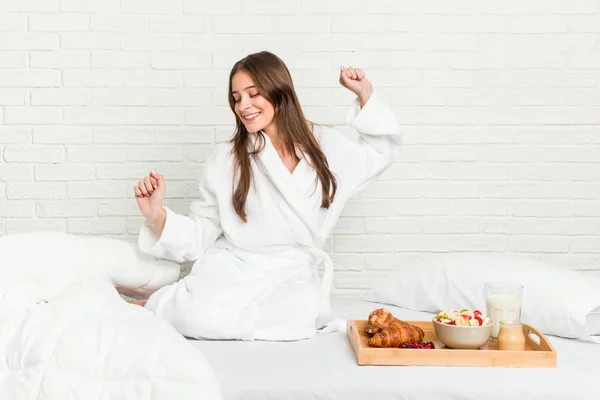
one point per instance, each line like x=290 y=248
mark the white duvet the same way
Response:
x=65 y=332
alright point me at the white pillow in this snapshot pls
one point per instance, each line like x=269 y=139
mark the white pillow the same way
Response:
x=556 y=300
x=50 y=261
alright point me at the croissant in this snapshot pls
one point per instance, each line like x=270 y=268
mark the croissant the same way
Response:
x=378 y=320
x=398 y=332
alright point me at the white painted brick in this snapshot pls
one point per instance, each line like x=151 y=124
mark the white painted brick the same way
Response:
x=31 y=78
x=585 y=244
x=17 y=209
x=480 y=60
x=541 y=208
x=539 y=244
x=572 y=7
x=349 y=226
x=35 y=225
x=450 y=225
x=360 y=23
x=224 y=134
x=301 y=24
x=510 y=191
x=93 y=78
x=153 y=97
x=206 y=79
x=96 y=154
x=214 y=43
x=15 y=173
x=537 y=24
x=120 y=135
x=571 y=42
x=90 y=6
x=60 y=97
x=36 y=191
x=583 y=23
x=13 y=97
x=540 y=226
x=33 y=115
x=64 y=172
x=583 y=97
x=570 y=191
x=184 y=60
x=120 y=60
x=118 y=23
x=313 y=97
x=224 y=7
x=179 y=171
x=417 y=207
x=536 y=59
x=132 y=171
x=67 y=208
x=589 y=208
x=133 y=227
x=449 y=153
x=157 y=153
x=367 y=59
x=543 y=135
x=97 y=190
x=13 y=59
x=200 y=153
x=97 y=226
x=151 y=7
x=375 y=7
x=178 y=24
x=213 y=116
x=225 y=60
x=114 y=208
x=14 y=135
x=567 y=79
x=329 y=116
x=349 y=262
x=34 y=154
x=391 y=190
x=59 y=23
x=456 y=7
x=12 y=22
x=555 y=172
x=151 y=42
x=123 y=116
x=59 y=59
x=382 y=41
x=511 y=7
x=90 y=40
x=393 y=225
x=572 y=154
x=364 y=208
x=583 y=60
x=242 y=25
x=363 y=244
x=586 y=263
x=452 y=190
x=479 y=207
x=33 y=6
x=161 y=79
x=477 y=243
x=568 y=115
x=511 y=154
x=270 y=7
x=479 y=172
x=61 y=135
x=29 y=41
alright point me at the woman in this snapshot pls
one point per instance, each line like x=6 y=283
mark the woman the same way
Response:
x=271 y=196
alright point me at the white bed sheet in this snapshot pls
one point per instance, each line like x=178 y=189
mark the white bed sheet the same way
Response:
x=325 y=368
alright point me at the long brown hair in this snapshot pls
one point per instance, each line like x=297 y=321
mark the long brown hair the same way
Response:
x=274 y=82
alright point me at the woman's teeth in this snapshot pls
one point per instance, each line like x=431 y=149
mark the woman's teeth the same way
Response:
x=251 y=116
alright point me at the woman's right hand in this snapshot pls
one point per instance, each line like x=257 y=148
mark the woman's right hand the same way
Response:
x=149 y=194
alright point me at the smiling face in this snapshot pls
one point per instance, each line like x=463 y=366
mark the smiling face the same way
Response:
x=255 y=111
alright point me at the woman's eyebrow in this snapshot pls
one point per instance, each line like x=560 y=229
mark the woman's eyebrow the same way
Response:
x=249 y=87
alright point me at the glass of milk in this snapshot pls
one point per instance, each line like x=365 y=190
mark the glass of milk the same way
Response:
x=503 y=301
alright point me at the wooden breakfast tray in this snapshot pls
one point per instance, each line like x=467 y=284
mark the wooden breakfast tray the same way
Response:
x=535 y=355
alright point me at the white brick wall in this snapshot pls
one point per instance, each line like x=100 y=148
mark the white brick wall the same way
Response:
x=499 y=101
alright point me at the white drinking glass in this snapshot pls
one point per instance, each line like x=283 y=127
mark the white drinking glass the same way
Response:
x=504 y=301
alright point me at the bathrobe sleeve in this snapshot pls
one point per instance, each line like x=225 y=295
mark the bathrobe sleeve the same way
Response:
x=379 y=137
x=185 y=238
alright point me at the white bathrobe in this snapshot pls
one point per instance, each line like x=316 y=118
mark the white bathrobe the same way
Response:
x=260 y=280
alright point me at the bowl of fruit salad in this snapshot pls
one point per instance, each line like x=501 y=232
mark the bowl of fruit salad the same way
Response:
x=462 y=329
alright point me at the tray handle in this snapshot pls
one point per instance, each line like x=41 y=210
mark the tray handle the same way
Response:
x=535 y=339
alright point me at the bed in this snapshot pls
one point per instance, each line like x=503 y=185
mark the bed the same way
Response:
x=325 y=368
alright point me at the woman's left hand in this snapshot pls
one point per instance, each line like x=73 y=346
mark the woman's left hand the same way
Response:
x=355 y=80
